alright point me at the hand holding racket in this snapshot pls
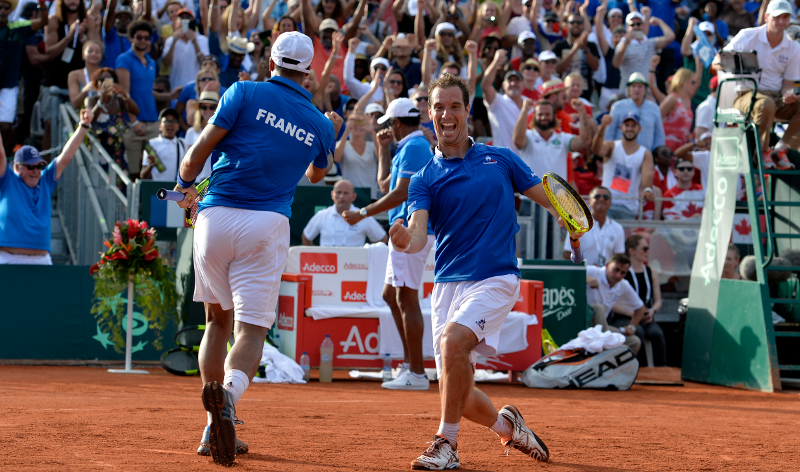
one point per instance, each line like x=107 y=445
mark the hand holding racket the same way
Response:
x=189 y=199
x=572 y=209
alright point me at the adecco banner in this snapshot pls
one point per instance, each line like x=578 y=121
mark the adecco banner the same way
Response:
x=729 y=158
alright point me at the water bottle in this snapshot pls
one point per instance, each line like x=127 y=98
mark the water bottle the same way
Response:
x=326 y=360
x=305 y=364
x=152 y=152
x=387 y=368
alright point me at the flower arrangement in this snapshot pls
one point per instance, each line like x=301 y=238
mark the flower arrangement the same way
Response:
x=132 y=255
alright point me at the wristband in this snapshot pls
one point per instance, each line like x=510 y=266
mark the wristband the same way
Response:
x=134 y=123
x=183 y=183
x=647 y=189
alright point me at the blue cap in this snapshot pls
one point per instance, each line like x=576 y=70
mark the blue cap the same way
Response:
x=631 y=116
x=28 y=155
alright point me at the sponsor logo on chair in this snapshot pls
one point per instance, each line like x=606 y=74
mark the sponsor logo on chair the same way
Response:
x=318 y=263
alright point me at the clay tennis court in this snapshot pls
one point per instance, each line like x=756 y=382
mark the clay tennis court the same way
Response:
x=83 y=418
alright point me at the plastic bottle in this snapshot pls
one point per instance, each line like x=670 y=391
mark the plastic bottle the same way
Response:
x=152 y=152
x=305 y=364
x=387 y=368
x=326 y=360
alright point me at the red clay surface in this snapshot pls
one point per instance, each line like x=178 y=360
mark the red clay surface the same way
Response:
x=82 y=418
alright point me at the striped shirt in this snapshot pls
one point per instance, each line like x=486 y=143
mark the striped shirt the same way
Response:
x=637 y=58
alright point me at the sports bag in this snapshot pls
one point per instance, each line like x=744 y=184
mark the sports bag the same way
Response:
x=612 y=369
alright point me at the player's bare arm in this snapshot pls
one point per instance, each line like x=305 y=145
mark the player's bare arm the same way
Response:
x=196 y=158
x=600 y=146
x=537 y=194
x=391 y=200
x=314 y=173
x=414 y=238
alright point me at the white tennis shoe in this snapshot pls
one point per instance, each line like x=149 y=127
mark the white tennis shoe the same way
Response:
x=522 y=438
x=440 y=455
x=407 y=381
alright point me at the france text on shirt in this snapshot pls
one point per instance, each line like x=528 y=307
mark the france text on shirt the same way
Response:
x=286 y=126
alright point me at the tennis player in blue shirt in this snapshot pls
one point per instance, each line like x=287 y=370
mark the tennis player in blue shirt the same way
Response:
x=467 y=193
x=266 y=135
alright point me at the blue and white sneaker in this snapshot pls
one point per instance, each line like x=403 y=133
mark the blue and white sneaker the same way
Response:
x=222 y=430
x=205 y=450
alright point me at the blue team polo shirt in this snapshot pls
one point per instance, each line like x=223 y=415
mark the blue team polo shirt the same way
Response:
x=141 y=83
x=274 y=133
x=25 y=211
x=115 y=45
x=470 y=204
x=413 y=152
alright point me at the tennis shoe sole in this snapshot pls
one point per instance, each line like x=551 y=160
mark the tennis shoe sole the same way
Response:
x=222 y=433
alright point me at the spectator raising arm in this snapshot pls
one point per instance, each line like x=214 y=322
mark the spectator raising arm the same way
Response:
x=365 y=100
x=600 y=27
x=318 y=97
x=251 y=14
x=43 y=19
x=603 y=148
x=489 y=93
x=53 y=46
x=266 y=18
x=584 y=137
x=357 y=88
x=521 y=126
x=669 y=35
x=472 y=67
x=688 y=38
x=63 y=159
x=111 y=15
x=427 y=62
x=310 y=20
x=651 y=81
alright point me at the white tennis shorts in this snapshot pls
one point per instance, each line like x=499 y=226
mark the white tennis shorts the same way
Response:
x=239 y=256
x=8 y=104
x=481 y=306
x=406 y=270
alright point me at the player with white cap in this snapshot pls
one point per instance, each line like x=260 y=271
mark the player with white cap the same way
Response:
x=403 y=271
x=241 y=235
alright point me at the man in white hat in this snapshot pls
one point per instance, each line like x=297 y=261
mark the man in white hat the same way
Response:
x=651 y=135
x=403 y=271
x=519 y=25
x=321 y=33
x=377 y=68
x=526 y=43
x=634 y=51
x=779 y=59
x=242 y=231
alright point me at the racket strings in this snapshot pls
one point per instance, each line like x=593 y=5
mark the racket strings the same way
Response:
x=181 y=361
x=569 y=204
x=194 y=207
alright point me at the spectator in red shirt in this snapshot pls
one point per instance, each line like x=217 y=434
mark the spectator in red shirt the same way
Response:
x=530 y=74
x=684 y=190
x=574 y=89
x=527 y=44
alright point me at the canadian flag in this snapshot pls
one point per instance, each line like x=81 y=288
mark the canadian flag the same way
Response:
x=682 y=210
x=742 y=230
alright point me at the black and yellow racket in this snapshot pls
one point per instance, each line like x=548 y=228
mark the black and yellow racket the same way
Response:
x=191 y=211
x=190 y=337
x=181 y=361
x=573 y=210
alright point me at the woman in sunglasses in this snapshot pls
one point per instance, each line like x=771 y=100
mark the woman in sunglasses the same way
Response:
x=207 y=79
x=201 y=111
x=645 y=282
x=109 y=107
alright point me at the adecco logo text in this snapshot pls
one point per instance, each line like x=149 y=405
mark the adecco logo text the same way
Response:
x=354 y=292
x=318 y=263
x=352 y=266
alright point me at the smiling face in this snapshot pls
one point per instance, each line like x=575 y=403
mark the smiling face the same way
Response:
x=447 y=38
x=396 y=83
x=574 y=87
x=449 y=114
x=544 y=117
x=548 y=67
x=530 y=72
x=168 y=126
x=172 y=11
x=286 y=25
x=630 y=130
x=357 y=124
x=614 y=20
x=92 y=53
x=31 y=177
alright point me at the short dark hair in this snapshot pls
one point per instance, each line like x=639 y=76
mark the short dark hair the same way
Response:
x=599 y=187
x=450 y=80
x=163 y=80
x=412 y=121
x=620 y=258
x=657 y=151
x=139 y=25
x=289 y=73
x=450 y=65
x=632 y=242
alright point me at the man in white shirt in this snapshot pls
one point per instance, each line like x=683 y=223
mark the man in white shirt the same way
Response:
x=606 y=238
x=184 y=51
x=334 y=230
x=169 y=149
x=503 y=108
x=779 y=59
x=605 y=288
x=704 y=115
x=544 y=149
x=379 y=66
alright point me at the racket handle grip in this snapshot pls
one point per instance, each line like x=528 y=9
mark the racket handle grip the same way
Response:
x=577 y=256
x=164 y=194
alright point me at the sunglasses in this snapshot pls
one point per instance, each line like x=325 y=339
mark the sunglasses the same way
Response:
x=142 y=38
x=206 y=79
x=684 y=169
x=396 y=82
x=615 y=16
x=420 y=99
x=360 y=122
x=39 y=166
x=452 y=35
x=5 y=8
x=159 y=91
x=551 y=21
x=646 y=248
x=380 y=67
x=208 y=107
x=169 y=122
x=603 y=196
x=531 y=68
x=551 y=61
x=576 y=22
x=636 y=25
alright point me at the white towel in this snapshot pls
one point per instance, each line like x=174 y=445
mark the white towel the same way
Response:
x=376 y=275
x=279 y=368
x=595 y=340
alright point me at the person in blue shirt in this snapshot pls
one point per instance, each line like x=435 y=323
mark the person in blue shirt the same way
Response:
x=115 y=27
x=652 y=134
x=267 y=135
x=25 y=203
x=403 y=271
x=466 y=193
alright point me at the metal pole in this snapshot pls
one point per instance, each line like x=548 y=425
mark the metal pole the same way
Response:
x=129 y=337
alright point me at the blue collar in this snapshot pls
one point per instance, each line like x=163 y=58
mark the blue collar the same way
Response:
x=438 y=153
x=292 y=85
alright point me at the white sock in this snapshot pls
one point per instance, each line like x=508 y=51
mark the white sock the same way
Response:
x=209 y=417
x=503 y=427
x=406 y=365
x=236 y=382
x=419 y=376
x=448 y=431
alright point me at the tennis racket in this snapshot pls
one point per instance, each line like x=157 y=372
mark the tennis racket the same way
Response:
x=571 y=207
x=189 y=338
x=180 y=361
x=191 y=211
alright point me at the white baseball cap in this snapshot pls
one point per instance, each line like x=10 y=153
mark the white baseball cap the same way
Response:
x=707 y=27
x=632 y=15
x=444 y=26
x=779 y=7
x=380 y=60
x=614 y=10
x=400 y=108
x=374 y=108
x=413 y=7
x=525 y=35
x=328 y=23
x=293 y=50
x=547 y=56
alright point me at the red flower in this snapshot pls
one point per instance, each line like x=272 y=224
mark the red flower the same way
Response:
x=108 y=244
x=93 y=269
x=151 y=254
x=122 y=254
x=133 y=228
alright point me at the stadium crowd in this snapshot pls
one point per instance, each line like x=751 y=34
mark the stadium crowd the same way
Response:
x=618 y=97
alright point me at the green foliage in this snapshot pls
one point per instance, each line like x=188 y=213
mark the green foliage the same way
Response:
x=132 y=255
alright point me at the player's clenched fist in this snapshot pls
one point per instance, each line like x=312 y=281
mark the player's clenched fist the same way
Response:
x=336 y=120
x=189 y=195
x=607 y=120
x=401 y=238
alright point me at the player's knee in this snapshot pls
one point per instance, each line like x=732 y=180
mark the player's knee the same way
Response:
x=389 y=295
x=454 y=344
x=407 y=299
